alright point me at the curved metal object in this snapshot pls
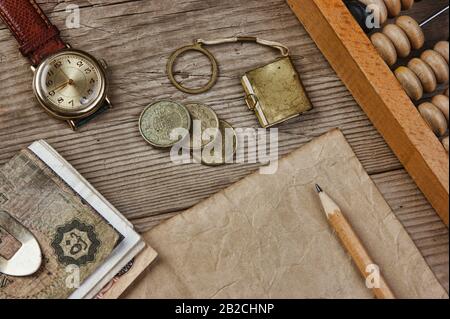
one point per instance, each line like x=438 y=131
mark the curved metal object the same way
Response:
x=28 y=258
x=214 y=69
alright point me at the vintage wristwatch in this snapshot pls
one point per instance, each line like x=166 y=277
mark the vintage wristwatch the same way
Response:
x=70 y=84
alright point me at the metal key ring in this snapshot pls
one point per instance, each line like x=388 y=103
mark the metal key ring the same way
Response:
x=214 y=69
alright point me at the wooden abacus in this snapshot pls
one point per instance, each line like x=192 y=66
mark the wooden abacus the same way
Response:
x=363 y=59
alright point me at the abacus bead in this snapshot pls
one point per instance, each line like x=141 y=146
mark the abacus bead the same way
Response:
x=442 y=48
x=399 y=39
x=410 y=82
x=438 y=64
x=425 y=74
x=434 y=118
x=441 y=102
x=381 y=7
x=413 y=31
x=394 y=7
x=385 y=48
x=445 y=143
x=407 y=4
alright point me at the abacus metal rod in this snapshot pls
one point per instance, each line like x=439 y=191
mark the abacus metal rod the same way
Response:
x=434 y=16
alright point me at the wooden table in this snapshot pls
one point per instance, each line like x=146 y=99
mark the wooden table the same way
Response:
x=136 y=38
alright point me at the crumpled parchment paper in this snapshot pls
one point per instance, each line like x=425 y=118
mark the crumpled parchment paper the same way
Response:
x=267 y=237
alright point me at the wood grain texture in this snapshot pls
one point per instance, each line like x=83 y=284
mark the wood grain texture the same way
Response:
x=136 y=38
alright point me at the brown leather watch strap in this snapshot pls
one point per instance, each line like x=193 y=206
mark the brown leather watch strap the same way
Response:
x=37 y=37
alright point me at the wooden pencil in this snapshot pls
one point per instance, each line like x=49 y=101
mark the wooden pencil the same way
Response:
x=353 y=245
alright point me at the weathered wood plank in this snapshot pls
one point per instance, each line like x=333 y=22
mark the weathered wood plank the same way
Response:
x=137 y=46
x=136 y=38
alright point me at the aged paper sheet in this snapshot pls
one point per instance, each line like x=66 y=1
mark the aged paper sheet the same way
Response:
x=267 y=237
x=74 y=239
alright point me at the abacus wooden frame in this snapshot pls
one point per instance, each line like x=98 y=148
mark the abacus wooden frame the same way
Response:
x=375 y=88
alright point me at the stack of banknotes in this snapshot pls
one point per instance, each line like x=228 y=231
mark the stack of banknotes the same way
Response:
x=87 y=248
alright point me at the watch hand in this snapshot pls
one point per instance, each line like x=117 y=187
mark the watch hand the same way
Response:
x=69 y=82
x=61 y=86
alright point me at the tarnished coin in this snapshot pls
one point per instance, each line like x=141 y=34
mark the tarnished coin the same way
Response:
x=206 y=119
x=160 y=119
x=210 y=156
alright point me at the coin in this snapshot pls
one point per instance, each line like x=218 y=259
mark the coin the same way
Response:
x=209 y=156
x=209 y=121
x=160 y=119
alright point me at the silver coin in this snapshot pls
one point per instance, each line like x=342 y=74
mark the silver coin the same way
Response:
x=208 y=121
x=160 y=119
x=209 y=156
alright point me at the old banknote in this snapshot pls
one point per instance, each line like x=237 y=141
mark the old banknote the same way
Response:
x=75 y=240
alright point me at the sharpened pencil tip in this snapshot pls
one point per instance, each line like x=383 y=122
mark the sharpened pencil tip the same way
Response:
x=319 y=190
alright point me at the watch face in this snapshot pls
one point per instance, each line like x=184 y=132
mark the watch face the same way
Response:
x=70 y=84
